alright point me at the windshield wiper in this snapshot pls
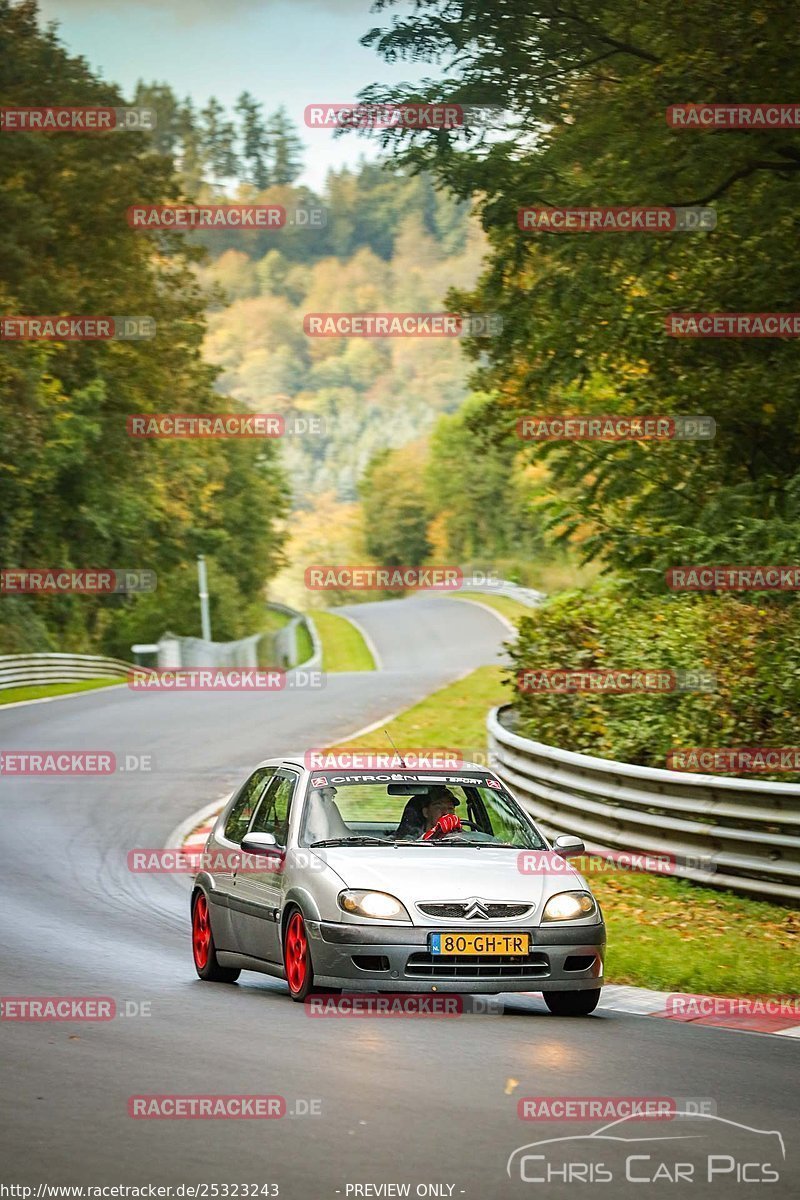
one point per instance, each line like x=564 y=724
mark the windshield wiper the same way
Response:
x=445 y=841
x=353 y=841
x=507 y=845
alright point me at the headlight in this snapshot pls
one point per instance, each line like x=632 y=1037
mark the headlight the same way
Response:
x=378 y=905
x=569 y=906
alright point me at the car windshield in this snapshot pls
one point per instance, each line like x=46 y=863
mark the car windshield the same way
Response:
x=373 y=811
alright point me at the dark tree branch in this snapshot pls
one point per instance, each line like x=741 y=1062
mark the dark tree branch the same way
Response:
x=607 y=40
x=743 y=173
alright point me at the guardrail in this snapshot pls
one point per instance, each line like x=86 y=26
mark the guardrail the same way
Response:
x=285 y=640
x=29 y=670
x=503 y=587
x=272 y=649
x=732 y=833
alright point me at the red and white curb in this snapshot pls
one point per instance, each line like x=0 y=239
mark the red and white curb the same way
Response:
x=644 y=1002
x=193 y=833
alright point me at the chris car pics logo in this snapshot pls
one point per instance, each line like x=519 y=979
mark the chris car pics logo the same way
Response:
x=700 y=1147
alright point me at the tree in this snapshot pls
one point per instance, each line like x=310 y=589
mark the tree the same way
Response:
x=286 y=148
x=583 y=90
x=75 y=489
x=192 y=160
x=218 y=138
x=395 y=517
x=255 y=142
x=165 y=138
x=485 y=509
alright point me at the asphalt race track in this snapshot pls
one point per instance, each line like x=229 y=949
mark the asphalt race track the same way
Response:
x=417 y=1101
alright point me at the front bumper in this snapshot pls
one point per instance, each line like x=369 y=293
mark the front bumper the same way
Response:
x=396 y=959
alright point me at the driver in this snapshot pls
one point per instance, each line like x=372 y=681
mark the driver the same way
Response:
x=439 y=813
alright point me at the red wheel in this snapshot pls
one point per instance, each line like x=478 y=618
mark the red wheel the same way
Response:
x=203 y=948
x=201 y=933
x=297 y=958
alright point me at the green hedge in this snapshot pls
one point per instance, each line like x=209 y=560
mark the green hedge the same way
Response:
x=753 y=649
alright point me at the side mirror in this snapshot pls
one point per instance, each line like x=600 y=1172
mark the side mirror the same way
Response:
x=568 y=846
x=260 y=843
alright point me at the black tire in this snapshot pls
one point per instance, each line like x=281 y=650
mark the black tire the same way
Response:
x=204 y=950
x=572 y=1004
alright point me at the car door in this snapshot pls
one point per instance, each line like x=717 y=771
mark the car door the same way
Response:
x=225 y=843
x=258 y=893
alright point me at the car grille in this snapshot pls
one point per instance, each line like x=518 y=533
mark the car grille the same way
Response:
x=457 y=910
x=476 y=966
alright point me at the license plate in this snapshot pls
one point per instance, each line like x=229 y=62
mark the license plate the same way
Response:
x=458 y=944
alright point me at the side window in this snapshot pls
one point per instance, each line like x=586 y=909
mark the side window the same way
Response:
x=273 y=815
x=241 y=814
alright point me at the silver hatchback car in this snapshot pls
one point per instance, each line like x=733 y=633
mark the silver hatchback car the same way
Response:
x=398 y=880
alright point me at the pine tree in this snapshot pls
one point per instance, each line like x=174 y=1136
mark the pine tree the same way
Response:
x=192 y=161
x=254 y=140
x=160 y=97
x=287 y=149
x=218 y=139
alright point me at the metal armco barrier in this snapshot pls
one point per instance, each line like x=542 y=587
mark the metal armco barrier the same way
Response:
x=28 y=670
x=739 y=834
x=282 y=651
x=527 y=596
x=285 y=640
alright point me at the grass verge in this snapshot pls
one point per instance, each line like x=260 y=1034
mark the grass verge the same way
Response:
x=305 y=646
x=662 y=933
x=452 y=718
x=343 y=647
x=42 y=691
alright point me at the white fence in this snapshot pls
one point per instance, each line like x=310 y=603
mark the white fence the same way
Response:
x=732 y=833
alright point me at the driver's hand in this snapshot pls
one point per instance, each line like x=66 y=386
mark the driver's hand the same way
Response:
x=447 y=823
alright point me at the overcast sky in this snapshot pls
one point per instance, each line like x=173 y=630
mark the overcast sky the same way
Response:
x=291 y=52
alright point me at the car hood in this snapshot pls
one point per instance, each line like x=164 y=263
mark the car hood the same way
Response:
x=421 y=874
